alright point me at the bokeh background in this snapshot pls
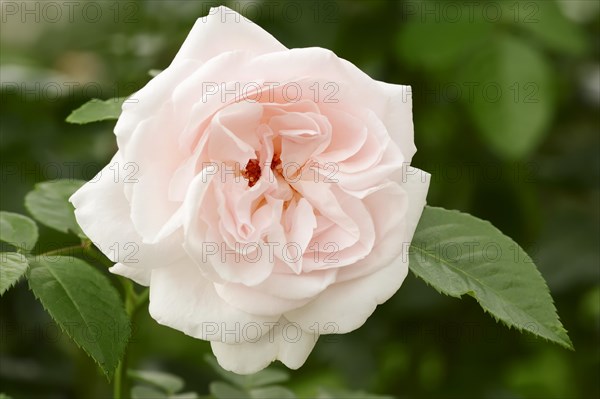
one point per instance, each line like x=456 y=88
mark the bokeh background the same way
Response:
x=506 y=97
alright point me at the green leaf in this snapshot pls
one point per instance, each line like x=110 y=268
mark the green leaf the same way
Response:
x=167 y=382
x=222 y=390
x=185 y=395
x=439 y=44
x=266 y=377
x=459 y=254
x=335 y=394
x=273 y=392
x=97 y=110
x=507 y=91
x=12 y=266
x=546 y=21
x=18 y=230
x=144 y=392
x=84 y=304
x=4 y=396
x=49 y=204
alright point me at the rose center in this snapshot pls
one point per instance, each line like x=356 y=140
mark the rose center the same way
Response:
x=252 y=172
x=276 y=163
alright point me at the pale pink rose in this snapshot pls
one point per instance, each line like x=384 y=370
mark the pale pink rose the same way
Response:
x=262 y=193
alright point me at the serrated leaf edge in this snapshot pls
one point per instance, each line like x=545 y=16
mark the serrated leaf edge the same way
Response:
x=568 y=344
x=107 y=373
x=79 y=234
x=36 y=230
x=20 y=276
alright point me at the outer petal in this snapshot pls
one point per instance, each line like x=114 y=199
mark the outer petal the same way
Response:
x=225 y=30
x=140 y=276
x=397 y=117
x=156 y=157
x=412 y=183
x=147 y=101
x=286 y=342
x=416 y=184
x=100 y=203
x=247 y=299
x=348 y=304
x=183 y=299
x=390 y=230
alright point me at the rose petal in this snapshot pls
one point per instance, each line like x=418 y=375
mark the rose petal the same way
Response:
x=225 y=30
x=153 y=156
x=182 y=298
x=100 y=203
x=299 y=231
x=297 y=286
x=390 y=230
x=213 y=253
x=360 y=298
x=327 y=251
x=397 y=117
x=150 y=99
x=302 y=136
x=416 y=183
x=286 y=342
x=372 y=289
x=349 y=134
x=233 y=133
x=255 y=301
x=140 y=276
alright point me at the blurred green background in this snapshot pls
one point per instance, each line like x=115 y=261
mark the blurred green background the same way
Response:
x=506 y=97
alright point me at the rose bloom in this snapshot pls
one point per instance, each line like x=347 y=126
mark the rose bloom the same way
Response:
x=264 y=194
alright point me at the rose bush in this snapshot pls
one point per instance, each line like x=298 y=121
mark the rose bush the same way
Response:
x=264 y=194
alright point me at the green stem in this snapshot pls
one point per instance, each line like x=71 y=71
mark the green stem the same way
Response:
x=86 y=248
x=93 y=253
x=63 y=251
x=133 y=302
x=142 y=298
x=118 y=381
